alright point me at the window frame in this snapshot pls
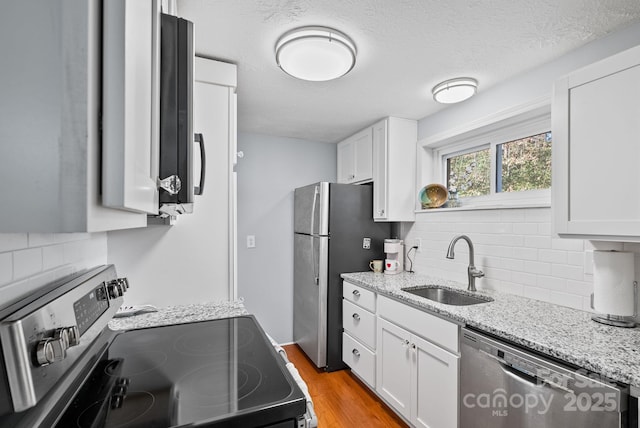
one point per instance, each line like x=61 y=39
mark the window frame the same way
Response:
x=491 y=132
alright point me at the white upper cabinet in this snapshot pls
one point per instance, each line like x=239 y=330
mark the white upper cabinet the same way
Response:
x=596 y=153
x=50 y=139
x=394 y=169
x=130 y=116
x=355 y=158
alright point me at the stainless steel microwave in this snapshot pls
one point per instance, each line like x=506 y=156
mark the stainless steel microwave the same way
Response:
x=177 y=140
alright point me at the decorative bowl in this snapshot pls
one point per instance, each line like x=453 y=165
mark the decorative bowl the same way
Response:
x=433 y=195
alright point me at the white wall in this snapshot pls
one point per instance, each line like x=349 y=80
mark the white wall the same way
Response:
x=271 y=169
x=188 y=262
x=31 y=260
x=515 y=247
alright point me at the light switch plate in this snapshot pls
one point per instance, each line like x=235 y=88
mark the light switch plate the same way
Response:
x=366 y=243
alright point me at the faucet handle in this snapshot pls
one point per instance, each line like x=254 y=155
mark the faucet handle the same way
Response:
x=475 y=272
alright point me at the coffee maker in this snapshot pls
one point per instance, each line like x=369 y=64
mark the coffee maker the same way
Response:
x=393 y=262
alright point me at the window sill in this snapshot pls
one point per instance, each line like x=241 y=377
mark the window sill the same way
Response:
x=486 y=207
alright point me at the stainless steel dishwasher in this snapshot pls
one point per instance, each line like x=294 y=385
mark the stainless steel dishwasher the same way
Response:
x=505 y=386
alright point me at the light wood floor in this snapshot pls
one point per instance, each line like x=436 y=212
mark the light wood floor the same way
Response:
x=339 y=398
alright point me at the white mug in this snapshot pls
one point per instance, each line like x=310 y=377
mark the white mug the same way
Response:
x=376 y=266
x=391 y=265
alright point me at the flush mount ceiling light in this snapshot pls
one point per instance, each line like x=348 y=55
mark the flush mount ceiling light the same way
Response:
x=315 y=53
x=455 y=90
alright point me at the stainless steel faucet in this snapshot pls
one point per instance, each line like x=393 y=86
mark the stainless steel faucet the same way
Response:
x=472 y=271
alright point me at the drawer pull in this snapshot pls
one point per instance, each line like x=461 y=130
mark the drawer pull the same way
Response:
x=356 y=293
x=356 y=317
x=355 y=352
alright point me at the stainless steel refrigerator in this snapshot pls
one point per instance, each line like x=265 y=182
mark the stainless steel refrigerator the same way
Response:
x=332 y=225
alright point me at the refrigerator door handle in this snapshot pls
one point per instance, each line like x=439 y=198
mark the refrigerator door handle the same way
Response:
x=316 y=191
x=316 y=263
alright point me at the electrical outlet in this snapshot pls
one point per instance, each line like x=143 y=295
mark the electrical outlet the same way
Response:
x=251 y=241
x=366 y=243
x=417 y=242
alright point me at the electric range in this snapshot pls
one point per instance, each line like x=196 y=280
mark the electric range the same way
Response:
x=62 y=367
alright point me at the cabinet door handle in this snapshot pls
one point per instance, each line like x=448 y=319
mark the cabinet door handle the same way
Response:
x=355 y=352
x=356 y=293
x=413 y=346
x=405 y=344
x=356 y=317
x=203 y=164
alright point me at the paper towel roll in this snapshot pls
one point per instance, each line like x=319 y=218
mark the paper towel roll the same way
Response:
x=613 y=276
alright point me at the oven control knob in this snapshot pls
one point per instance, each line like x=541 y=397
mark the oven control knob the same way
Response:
x=70 y=335
x=50 y=350
x=124 y=283
x=114 y=289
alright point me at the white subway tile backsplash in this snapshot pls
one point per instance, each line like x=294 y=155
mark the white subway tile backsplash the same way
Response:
x=588 y=262
x=543 y=242
x=552 y=256
x=497 y=274
x=525 y=228
x=27 y=262
x=52 y=256
x=581 y=288
x=517 y=250
x=6 y=268
x=575 y=258
x=524 y=278
x=567 y=244
x=566 y=299
x=524 y=253
x=539 y=268
x=537 y=215
x=13 y=241
x=537 y=293
x=544 y=229
x=567 y=272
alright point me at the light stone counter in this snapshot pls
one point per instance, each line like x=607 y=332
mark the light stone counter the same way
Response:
x=181 y=314
x=564 y=333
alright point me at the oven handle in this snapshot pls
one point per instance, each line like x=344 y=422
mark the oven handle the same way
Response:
x=203 y=164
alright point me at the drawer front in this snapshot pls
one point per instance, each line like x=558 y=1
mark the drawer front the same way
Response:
x=360 y=323
x=361 y=360
x=360 y=296
x=432 y=328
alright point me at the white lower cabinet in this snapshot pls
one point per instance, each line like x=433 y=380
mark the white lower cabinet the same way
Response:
x=361 y=359
x=418 y=378
x=359 y=337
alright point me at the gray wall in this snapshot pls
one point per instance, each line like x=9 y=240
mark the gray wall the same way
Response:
x=271 y=169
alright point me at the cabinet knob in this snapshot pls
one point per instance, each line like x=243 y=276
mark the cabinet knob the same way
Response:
x=171 y=184
x=405 y=343
x=355 y=352
x=356 y=293
x=413 y=346
x=356 y=317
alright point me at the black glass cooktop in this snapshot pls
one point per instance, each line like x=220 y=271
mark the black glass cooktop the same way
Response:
x=213 y=373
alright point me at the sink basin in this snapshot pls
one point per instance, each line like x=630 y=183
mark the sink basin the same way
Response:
x=447 y=295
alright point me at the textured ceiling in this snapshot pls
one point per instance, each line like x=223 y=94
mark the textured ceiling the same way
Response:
x=405 y=47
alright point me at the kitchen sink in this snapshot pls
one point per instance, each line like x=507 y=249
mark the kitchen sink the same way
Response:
x=447 y=295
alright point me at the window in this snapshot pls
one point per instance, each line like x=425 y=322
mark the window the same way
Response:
x=503 y=162
x=524 y=164
x=470 y=173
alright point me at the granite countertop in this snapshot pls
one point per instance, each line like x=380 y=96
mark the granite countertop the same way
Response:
x=181 y=314
x=564 y=333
